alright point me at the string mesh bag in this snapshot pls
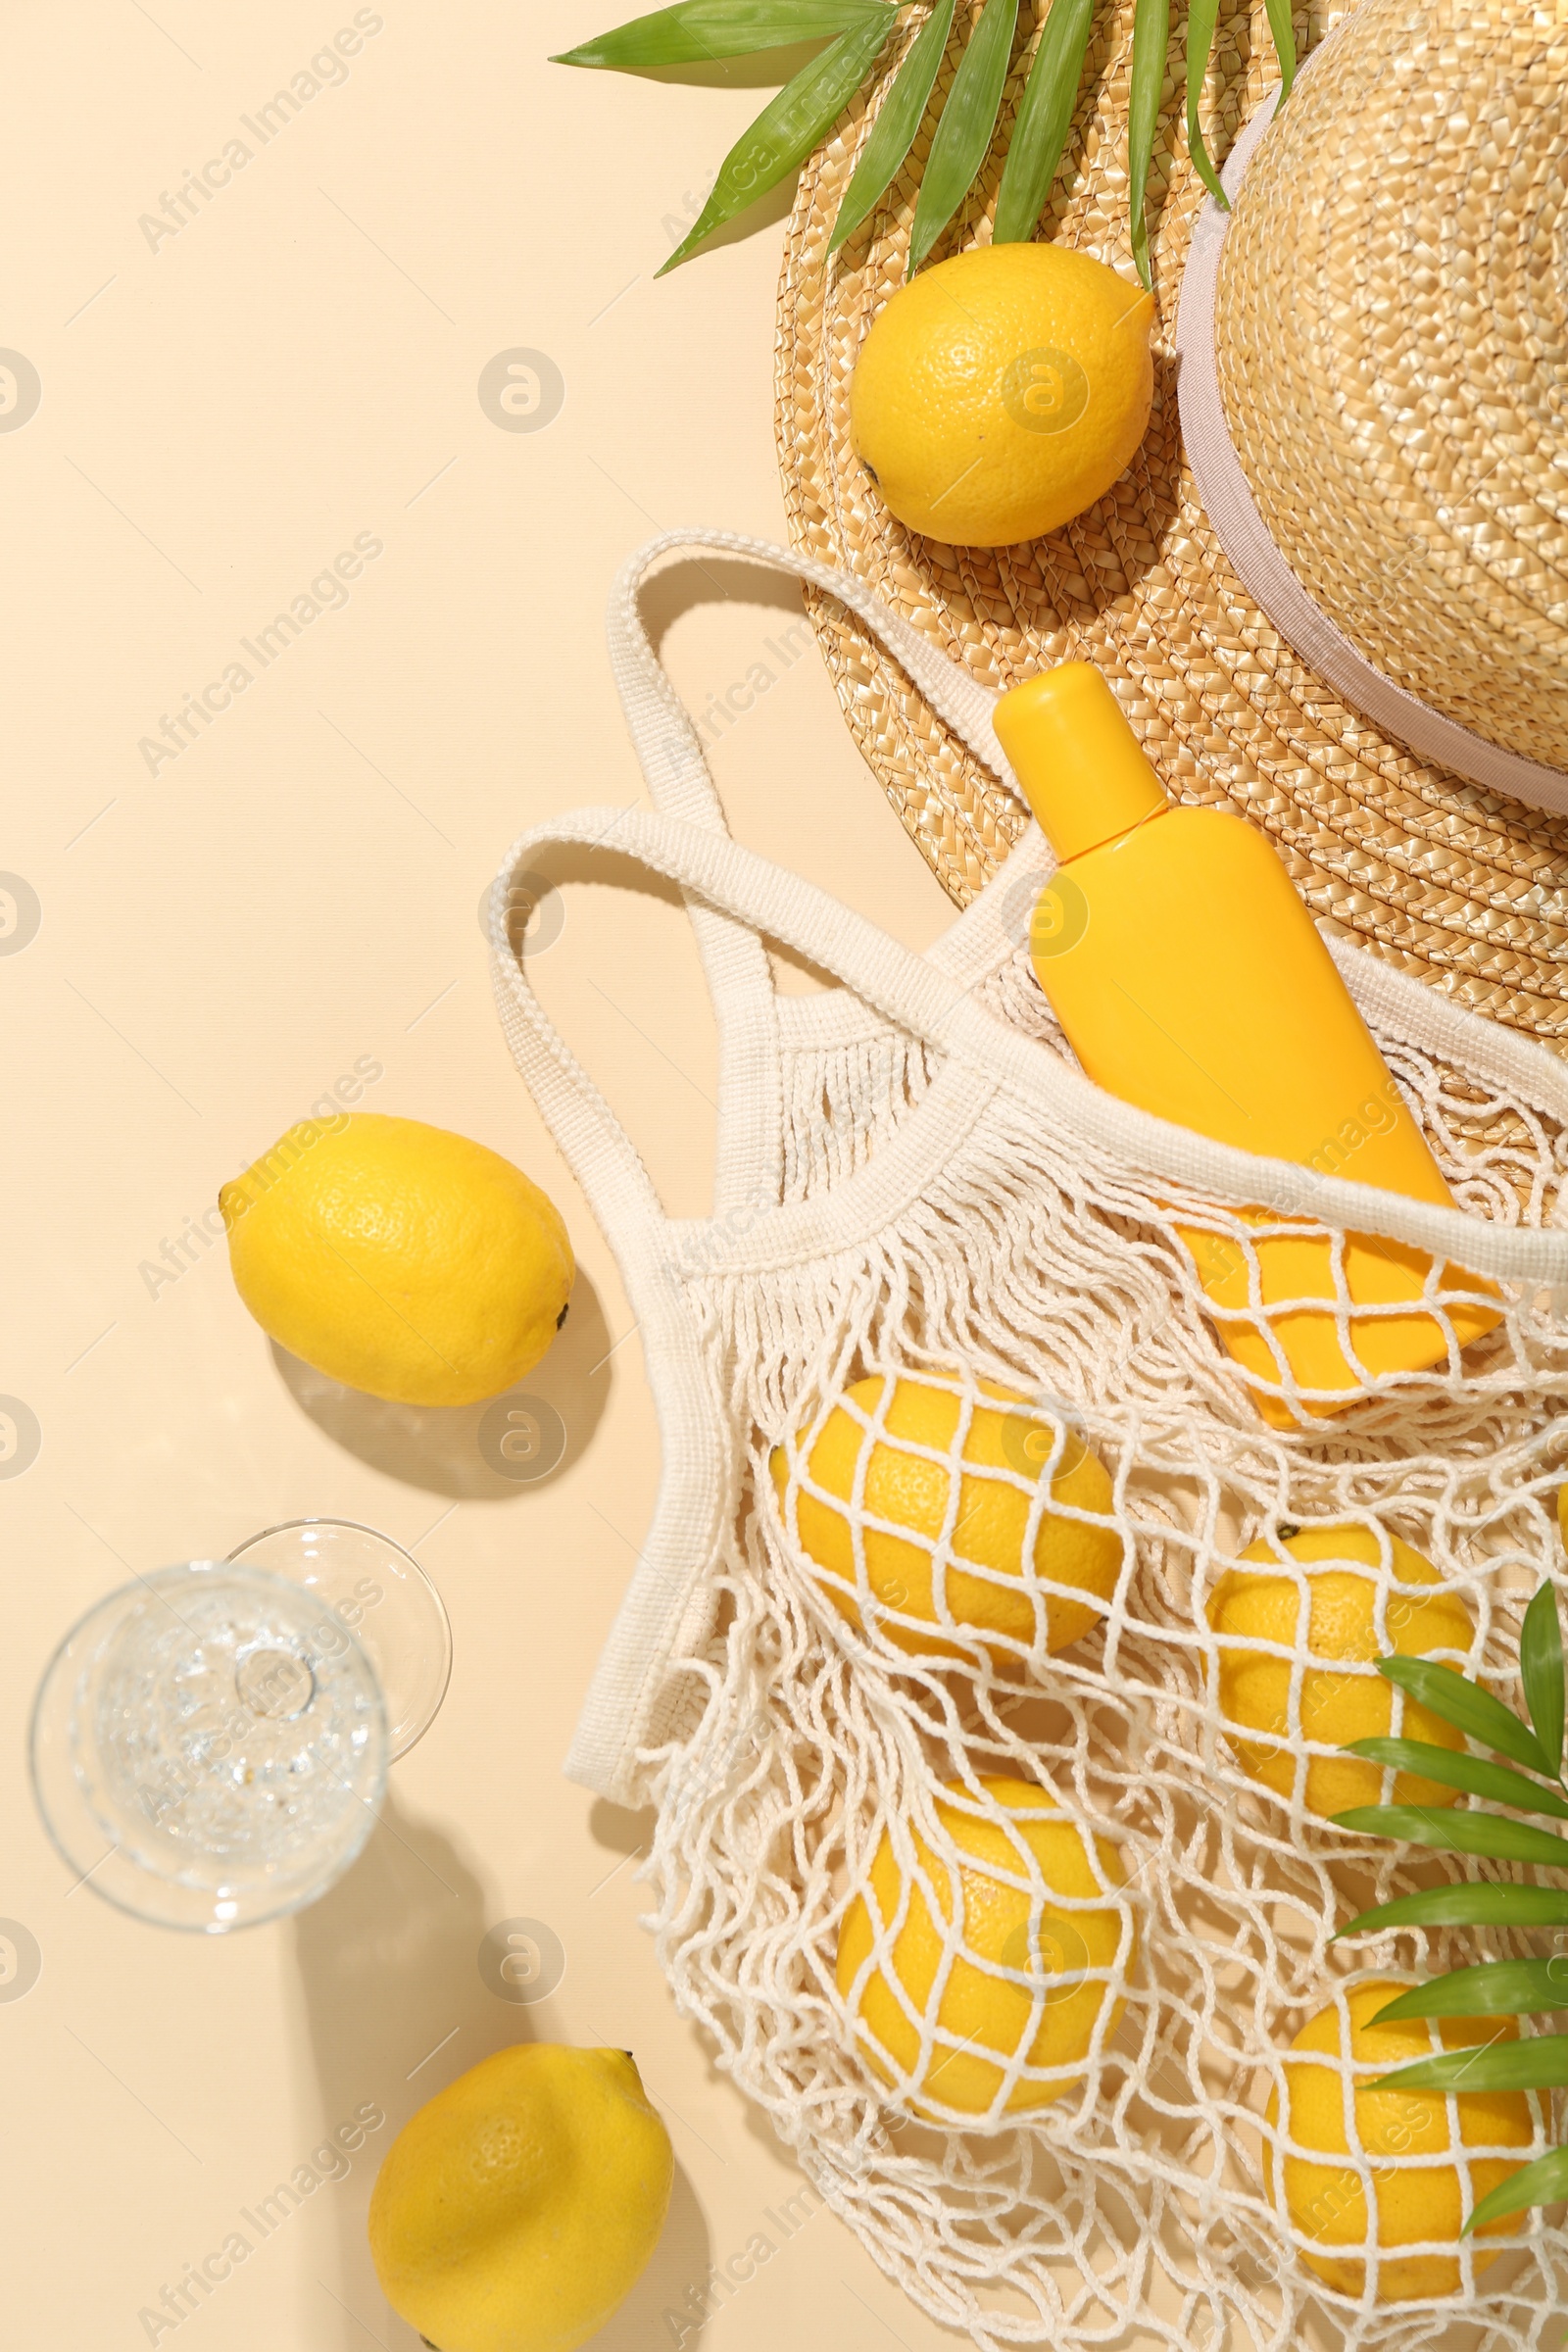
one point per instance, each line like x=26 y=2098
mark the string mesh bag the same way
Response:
x=979 y=1859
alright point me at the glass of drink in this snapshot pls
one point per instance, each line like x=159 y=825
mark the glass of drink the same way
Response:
x=210 y=1743
x=208 y=1747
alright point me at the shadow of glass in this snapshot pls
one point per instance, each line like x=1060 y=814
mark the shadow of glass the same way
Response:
x=397 y=2005
x=474 y=1452
x=395 y=2009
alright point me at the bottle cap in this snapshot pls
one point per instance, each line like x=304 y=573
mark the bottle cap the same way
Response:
x=1082 y=769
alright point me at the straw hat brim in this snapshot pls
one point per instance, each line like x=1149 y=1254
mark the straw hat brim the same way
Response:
x=1461 y=886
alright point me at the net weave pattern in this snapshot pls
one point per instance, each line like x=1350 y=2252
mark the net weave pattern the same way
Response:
x=787 y=1733
x=1137 y=2197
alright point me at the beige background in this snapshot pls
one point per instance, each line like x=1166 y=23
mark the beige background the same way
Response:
x=223 y=411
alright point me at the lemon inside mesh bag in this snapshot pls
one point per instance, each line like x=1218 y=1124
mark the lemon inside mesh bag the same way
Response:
x=1380 y=2170
x=1309 y=1622
x=924 y=1504
x=1036 y=1947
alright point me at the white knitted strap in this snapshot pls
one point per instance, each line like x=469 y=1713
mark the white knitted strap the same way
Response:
x=909 y=990
x=680 y=784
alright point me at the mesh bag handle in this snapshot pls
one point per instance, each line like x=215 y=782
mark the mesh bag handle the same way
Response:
x=914 y=992
x=680 y=784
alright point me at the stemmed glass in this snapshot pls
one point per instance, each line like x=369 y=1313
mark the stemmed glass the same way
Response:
x=210 y=1743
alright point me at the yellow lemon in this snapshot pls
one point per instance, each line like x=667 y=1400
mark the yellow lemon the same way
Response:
x=398 y=1258
x=1414 y=2202
x=1333 y=1708
x=519 y=2208
x=979 y=2011
x=999 y=394
x=905 y=1486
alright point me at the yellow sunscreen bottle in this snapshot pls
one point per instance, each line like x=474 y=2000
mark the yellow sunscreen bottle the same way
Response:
x=1190 y=980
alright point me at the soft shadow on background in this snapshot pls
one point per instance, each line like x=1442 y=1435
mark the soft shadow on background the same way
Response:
x=396 y=2008
x=672 y=591
x=453 y=1449
x=676 y=588
x=619 y=1831
x=681 y=2262
x=388 y=1967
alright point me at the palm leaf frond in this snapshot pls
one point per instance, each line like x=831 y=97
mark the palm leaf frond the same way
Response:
x=1151 y=49
x=1477 y=1903
x=1541 y=1672
x=1492 y=1834
x=964 y=133
x=1540 y=2064
x=1539 y=2183
x=785 y=133
x=1202 y=18
x=1469 y=1708
x=1493 y=1988
x=698 y=33
x=897 y=126
x=1454 y=1768
x=1044 y=118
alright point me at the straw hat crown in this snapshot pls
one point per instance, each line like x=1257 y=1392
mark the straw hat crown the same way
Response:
x=1392 y=351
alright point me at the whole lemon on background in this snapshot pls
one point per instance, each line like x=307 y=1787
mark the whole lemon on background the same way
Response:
x=980 y=2012
x=519 y=2208
x=999 y=394
x=399 y=1258
x=1414 y=2202
x=989 y=1524
x=1333 y=1708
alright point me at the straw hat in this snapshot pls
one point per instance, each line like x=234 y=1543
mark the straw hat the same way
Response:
x=1344 y=609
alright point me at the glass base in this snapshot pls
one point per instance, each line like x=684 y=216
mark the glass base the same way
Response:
x=385 y=1599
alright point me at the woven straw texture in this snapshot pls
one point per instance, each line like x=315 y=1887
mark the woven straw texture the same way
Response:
x=1458 y=886
x=1400 y=419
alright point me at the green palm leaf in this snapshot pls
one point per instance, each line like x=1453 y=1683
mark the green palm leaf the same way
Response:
x=1541 y=1672
x=903 y=111
x=1477 y=1904
x=1540 y=2064
x=1202 y=18
x=695 y=31
x=1492 y=1835
x=699 y=32
x=1456 y=1770
x=964 y=135
x=1151 y=48
x=786 y=131
x=1493 y=1989
x=1044 y=118
x=1284 y=36
x=1469 y=1708
x=1539 y=2183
